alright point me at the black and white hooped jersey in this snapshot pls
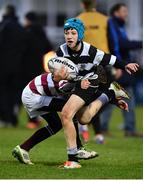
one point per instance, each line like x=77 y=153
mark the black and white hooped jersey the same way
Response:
x=87 y=57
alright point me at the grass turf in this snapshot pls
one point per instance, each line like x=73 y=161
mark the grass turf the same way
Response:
x=120 y=157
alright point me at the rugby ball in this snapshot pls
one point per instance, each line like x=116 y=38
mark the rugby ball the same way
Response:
x=57 y=63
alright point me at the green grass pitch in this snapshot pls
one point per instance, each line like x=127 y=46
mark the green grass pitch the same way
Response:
x=119 y=157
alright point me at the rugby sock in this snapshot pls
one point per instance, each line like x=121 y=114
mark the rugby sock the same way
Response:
x=78 y=141
x=54 y=125
x=36 y=138
x=72 y=157
x=103 y=98
x=72 y=154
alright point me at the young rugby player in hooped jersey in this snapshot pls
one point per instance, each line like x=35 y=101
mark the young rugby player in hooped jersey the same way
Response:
x=86 y=57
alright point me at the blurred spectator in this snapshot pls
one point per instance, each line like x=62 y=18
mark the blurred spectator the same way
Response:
x=12 y=46
x=37 y=45
x=95 y=25
x=95 y=34
x=121 y=46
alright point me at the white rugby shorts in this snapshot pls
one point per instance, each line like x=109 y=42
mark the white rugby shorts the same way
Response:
x=32 y=102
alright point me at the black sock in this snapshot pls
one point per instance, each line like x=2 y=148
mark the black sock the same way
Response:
x=54 y=125
x=78 y=141
x=72 y=157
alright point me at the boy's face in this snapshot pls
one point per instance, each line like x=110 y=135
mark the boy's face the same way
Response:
x=71 y=37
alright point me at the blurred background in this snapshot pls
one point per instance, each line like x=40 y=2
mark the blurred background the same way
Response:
x=52 y=14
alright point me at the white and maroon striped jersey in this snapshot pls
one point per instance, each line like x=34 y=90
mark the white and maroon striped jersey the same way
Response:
x=44 y=85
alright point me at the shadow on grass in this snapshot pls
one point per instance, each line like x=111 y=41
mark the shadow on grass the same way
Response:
x=37 y=164
x=45 y=163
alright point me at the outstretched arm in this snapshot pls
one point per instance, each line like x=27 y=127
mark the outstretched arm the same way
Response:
x=130 y=67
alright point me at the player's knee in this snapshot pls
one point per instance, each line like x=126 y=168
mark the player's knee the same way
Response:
x=65 y=116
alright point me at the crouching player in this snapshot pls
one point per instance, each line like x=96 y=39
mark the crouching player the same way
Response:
x=41 y=98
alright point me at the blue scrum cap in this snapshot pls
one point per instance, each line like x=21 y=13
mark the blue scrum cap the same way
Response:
x=75 y=24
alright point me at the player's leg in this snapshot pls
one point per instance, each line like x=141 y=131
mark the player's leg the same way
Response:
x=34 y=108
x=57 y=104
x=71 y=107
x=87 y=113
x=82 y=152
x=21 y=152
x=54 y=125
